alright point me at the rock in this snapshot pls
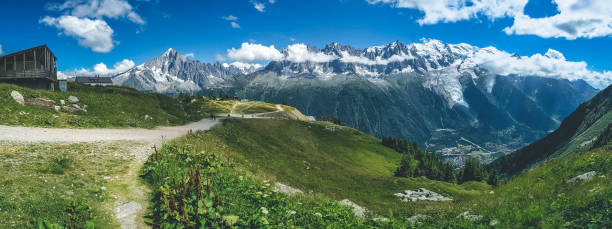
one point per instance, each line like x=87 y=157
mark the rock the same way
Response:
x=282 y=188
x=357 y=210
x=583 y=177
x=73 y=99
x=62 y=102
x=467 y=215
x=57 y=108
x=70 y=109
x=17 y=97
x=421 y=194
x=416 y=218
x=381 y=219
x=76 y=106
x=41 y=102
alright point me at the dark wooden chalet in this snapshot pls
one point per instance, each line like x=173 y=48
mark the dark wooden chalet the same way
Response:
x=33 y=68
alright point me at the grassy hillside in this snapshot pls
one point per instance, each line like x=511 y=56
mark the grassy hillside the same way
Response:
x=335 y=162
x=331 y=163
x=113 y=106
x=576 y=133
x=106 y=107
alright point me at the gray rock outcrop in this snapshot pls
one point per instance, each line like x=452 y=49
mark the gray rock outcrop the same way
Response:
x=583 y=177
x=421 y=194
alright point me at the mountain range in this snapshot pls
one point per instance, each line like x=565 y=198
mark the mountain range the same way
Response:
x=430 y=92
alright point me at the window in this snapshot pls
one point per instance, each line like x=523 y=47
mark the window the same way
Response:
x=2 y=65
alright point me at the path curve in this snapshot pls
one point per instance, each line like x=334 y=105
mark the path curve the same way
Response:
x=37 y=134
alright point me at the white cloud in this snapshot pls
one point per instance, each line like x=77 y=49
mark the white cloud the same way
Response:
x=99 y=8
x=576 y=18
x=190 y=55
x=235 y=25
x=551 y=64
x=457 y=10
x=259 y=6
x=254 y=52
x=347 y=58
x=99 y=69
x=94 y=34
x=230 y=18
x=272 y=1
x=242 y=65
x=300 y=53
x=1 y=52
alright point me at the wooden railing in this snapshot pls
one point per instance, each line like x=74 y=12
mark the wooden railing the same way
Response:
x=28 y=74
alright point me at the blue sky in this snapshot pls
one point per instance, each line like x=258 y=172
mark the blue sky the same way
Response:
x=143 y=29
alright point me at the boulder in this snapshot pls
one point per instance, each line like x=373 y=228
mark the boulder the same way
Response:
x=421 y=194
x=286 y=189
x=62 y=102
x=57 y=108
x=357 y=210
x=416 y=218
x=41 y=102
x=17 y=97
x=469 y=216
x=583 y=177
x=70 y=109
x=73 y=99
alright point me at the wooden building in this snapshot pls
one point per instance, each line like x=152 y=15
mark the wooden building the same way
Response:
x=33 y=68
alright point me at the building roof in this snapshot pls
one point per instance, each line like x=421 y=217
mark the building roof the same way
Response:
x=27 y=50
x=85 y=79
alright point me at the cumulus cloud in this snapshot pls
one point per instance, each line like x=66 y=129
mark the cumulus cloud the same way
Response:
x=99 y=69
x=242 y=65
x=551 y=64
x=230 y=18
x=259 y=6
x=300 y=53
x=235 y=25
x=98 y=9
x=254 y=52
x=271 y=1
x=576 y=18
x=190 y=55
x=1 y=52
x=457 y=10
x=94 y=34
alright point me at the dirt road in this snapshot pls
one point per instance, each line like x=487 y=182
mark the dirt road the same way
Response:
x=34 y=134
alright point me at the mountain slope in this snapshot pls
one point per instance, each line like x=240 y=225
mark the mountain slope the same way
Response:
x=576 y=133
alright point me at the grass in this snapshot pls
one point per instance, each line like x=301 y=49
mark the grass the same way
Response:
x=332 y=162
x=42 y=180
x=106 y=107
x=217 y=107
x=254 y=107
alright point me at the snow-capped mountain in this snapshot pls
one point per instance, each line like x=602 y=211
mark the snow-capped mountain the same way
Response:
x=434 y=93
x=173 y=73
x=439 y=95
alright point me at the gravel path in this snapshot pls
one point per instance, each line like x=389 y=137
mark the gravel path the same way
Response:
x=35 y=134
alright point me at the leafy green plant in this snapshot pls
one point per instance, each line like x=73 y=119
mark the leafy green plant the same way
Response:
x=59 y=165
